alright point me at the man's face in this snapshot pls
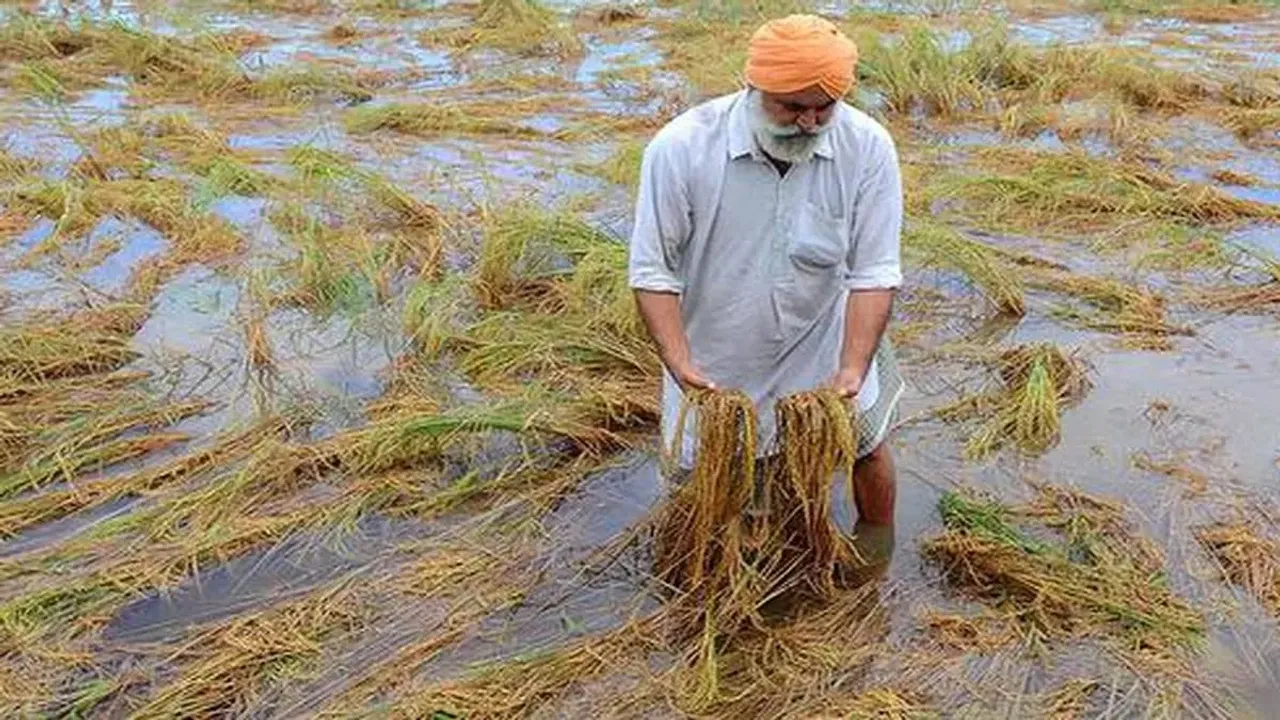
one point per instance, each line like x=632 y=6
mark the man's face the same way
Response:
x=807 y=110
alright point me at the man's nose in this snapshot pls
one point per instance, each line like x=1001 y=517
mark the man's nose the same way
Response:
x=808 y=120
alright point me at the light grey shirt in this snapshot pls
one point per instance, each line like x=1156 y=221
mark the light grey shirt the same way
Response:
x=764 y=263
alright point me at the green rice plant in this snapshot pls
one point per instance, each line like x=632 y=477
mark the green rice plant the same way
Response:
x=225 y=175
x=33 y=617
x=942 y=246
x=987 y=519
x=323 y=273
x=518 y=254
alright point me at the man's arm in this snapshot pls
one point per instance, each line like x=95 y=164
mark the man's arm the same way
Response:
x=866 y=316
x=873 y=268
x=661 y=313
x=663 y=224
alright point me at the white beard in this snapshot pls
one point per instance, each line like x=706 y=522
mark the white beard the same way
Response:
x=786 y=143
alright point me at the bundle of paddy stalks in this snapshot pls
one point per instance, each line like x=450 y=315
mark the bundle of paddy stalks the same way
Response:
x=739 y=532
x=1102 y=581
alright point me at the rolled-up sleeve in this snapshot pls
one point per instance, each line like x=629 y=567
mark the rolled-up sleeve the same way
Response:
x=874 y=260
x=662 y=221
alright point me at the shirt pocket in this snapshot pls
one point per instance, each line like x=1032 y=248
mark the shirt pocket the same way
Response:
x=819 y=241
x=812 y=277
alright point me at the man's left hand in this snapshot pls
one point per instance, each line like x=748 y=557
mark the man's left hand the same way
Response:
x=847 y=382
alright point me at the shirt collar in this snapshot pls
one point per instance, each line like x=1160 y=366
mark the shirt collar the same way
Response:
x=742 y=143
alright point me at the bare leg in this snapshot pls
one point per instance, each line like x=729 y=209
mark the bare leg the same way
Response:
x=874 y=487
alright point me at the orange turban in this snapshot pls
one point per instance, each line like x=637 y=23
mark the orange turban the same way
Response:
x=799 y=51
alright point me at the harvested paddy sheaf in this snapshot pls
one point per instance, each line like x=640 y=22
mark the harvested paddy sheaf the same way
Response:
x=444 y=118
x=519 y=27
x=1101 y=579
x=1035 y=383
x=1073 y=192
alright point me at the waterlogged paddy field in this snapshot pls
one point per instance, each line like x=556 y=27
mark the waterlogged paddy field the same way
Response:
x=321 y=392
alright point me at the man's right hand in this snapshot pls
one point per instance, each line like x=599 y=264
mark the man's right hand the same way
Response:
x=689 y=378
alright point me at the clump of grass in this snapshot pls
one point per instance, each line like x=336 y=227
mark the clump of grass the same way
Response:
x=432 y=313
x=940 y=245
x=1248 y=557
x=1036 y=382
x=520 y=27
x=518 y=254
x=326 y=273
x=1094 y=584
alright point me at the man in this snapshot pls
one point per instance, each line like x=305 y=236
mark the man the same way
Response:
x=765 y=255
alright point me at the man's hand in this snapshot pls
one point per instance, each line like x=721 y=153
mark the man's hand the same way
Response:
x=847 y=382
x=688 y=377
x=661 y=313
